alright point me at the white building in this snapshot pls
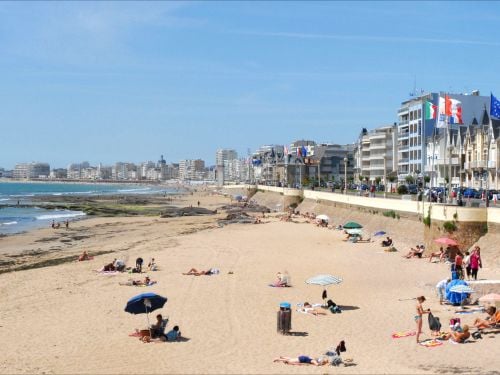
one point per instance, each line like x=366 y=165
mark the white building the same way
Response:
x=375 y=153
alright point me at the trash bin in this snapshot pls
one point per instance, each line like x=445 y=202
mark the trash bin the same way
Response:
x=284 y=318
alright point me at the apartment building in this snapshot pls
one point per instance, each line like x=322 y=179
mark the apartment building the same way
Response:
x=414 y=128
x=375 y=153
x=31 y=170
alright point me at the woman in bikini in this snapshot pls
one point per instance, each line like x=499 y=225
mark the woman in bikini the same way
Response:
x=418 y=316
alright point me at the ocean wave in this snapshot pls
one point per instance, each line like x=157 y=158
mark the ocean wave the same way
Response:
x=4 y=199
x=133 y=190
x=9 y=223
x=61 y=216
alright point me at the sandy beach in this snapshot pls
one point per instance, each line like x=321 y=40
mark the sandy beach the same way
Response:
x=69 y=319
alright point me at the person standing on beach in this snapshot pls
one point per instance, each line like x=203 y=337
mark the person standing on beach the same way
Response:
x=441 y=289
x=418 y=316
x=67 y=224
x=475 y=262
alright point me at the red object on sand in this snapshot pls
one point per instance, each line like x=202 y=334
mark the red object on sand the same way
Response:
x=446 y=241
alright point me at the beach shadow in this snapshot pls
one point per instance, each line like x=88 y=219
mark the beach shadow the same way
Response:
x=181 y=339
x=297 y=333
x=348 y=308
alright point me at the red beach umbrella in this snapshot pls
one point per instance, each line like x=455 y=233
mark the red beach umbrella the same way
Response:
x=446 y=241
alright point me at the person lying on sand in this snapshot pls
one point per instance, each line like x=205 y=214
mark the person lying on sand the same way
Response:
x=195 y=272
x=146 y=282
x=309 y=309
x=438 y=254
x=84 y=256
x=457 y=336
x=492 y=319
x=302 y=360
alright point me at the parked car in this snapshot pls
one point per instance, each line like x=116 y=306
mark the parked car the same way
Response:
x=470 y=193
x=412 y=189
x=364 y=187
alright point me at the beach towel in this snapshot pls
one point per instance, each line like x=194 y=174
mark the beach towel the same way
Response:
x=470 y=311
x=430 y=343
x=400 y=335
x=107 y=273
x=135 y=334
x=279 y=286
x=300 y=307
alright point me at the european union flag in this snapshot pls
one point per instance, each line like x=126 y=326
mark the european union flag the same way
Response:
x=495 y=107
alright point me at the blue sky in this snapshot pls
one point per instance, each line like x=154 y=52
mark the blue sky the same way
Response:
x=128 y=81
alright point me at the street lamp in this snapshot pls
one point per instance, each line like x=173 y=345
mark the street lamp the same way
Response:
x=450 y=149
x=345 y=175
x=385 y=176
x=487 y=168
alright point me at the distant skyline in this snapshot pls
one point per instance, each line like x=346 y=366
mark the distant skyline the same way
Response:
x=130 y=81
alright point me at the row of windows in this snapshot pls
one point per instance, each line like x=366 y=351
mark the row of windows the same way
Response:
x=414 y=115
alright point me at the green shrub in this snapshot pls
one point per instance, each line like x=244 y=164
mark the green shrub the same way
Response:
x=427 y=221
x=455 y=216
x=390 y=213
x=402 y=189
x=449 y=226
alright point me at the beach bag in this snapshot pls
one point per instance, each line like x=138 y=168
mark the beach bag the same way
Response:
x=434 y=323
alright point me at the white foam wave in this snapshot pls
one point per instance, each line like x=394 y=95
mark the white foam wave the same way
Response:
x=60 y=216
x=9 y=223
x=4 y=199
x=133 y=190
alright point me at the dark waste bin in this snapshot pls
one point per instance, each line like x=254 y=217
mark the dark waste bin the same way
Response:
x=284 y=318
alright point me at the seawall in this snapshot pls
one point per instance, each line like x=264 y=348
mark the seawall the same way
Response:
x=466 y=225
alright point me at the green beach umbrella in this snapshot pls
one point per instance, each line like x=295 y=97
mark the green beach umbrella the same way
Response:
x=352 y=225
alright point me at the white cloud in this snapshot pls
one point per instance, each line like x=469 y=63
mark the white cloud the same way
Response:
x=366 y=38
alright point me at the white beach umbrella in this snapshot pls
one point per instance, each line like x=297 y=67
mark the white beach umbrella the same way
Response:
x=461 y=289
x=323 y=217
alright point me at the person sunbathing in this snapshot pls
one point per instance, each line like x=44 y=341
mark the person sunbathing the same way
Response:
x=415 y=253
x=195 y=272
x=438 y=254
x=146 y=282
x=302 y=360
x=309 y=309
x=84 y=256
x=457 y=336
x=492 y=320
x=282 y=280
x=387 y=242
x=158 y=329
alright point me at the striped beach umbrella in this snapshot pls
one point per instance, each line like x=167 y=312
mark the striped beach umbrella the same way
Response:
x=461 y=289
x=324 y=280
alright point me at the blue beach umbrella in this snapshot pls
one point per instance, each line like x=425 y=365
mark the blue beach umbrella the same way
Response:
x=145 y=303
x=454 y=297
x=380 y=233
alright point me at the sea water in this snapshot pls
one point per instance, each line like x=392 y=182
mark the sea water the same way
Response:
x=19 y=219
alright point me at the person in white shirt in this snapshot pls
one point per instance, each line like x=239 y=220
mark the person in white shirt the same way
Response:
x=441 y=289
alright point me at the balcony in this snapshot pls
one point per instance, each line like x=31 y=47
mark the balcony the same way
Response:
x=403 y=122
x=403 y=161
x=480 y=164
x=403 y=135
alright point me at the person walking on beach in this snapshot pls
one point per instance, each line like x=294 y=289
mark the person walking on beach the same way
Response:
x=67 y=224
x=418 y=316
